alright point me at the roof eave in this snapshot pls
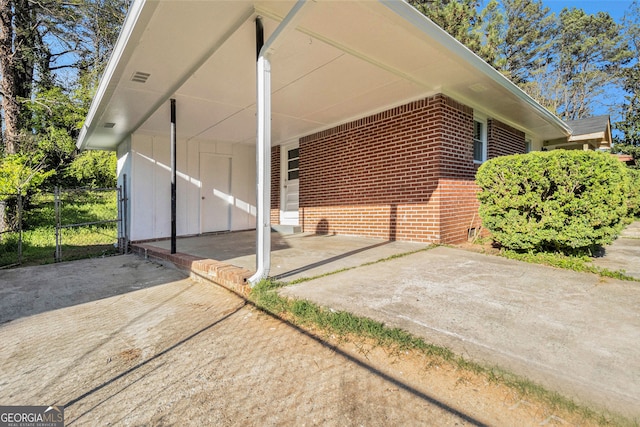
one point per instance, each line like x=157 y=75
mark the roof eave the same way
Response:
x=587 y=137
x=407 y=12
x=139 y=11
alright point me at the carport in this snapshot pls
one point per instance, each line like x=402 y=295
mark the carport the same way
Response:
x=183 y=100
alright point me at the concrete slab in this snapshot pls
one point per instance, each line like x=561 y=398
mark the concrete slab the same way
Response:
x=624 y=253
x=185 y=353
x=32 y=290
x=572 y=332
x=632 y=231
x=293 y=256
x=575 y=333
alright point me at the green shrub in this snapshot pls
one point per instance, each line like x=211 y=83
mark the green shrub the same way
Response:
x=94 y=169
x=633 y=193
x=561 y=200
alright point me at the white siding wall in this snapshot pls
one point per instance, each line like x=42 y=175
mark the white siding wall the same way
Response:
x=146 y=161
x=243 y=187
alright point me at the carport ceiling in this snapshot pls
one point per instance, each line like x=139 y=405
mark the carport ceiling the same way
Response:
x=343 y=60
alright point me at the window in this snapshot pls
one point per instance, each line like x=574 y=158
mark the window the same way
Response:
x=479 y=140
x=293 y=160
x=527 y=146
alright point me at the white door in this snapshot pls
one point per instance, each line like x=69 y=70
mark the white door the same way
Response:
x=215 y=200
x=290 y=190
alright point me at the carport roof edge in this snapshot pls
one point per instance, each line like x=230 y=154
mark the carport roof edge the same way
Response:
x=507 y=103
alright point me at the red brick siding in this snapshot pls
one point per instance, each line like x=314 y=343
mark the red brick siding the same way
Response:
x=457 y=190
x=408 y=222
x=389 y=175
x=456 y=140
x=458 y=209
x=380 y=159
x=275 y=185
x=503 y=140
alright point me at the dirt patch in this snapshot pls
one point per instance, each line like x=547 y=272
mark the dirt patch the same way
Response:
x=130 y=354
x=186 y=353
x=483 y=246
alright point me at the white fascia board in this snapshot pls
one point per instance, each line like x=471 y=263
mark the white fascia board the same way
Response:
x=133 y=17
x=424 y=24
x=588 y=137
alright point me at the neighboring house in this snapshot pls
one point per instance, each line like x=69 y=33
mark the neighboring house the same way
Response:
x=379 y=119
x=591 y=133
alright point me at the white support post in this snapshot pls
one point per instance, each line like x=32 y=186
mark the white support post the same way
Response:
x=263 y=145
x=263 y=163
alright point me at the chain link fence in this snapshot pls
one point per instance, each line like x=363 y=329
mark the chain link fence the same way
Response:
x=10 y=230
x=64 y=225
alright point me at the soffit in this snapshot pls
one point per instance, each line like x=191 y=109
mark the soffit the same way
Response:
x=344 y=60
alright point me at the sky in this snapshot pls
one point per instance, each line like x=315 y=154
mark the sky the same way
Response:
x=615 y=8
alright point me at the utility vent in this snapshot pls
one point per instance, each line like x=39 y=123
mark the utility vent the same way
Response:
x=109 y=125
x=140 y=77
x=478 y=87
x=472 y=233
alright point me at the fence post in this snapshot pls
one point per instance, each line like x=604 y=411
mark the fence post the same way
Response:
x=20 y=227
x=121 y=238
x=3 y=220
x=125 y=233
x=56 y=204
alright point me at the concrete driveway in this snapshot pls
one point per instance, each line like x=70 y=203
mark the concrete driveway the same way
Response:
x=572 y=332
x=575 y=333
x=624 y=253
x=122 y=341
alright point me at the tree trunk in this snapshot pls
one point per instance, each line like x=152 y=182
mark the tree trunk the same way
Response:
x=25 y=48
x=18 y=40
x=10 y=105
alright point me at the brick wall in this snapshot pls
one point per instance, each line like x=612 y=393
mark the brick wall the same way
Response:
x=458 y=209
x=393 y=175
x=275 y=185
x=503 y=140
x=456 y=192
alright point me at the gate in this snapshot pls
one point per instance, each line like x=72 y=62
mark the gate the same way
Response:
x=90 y=222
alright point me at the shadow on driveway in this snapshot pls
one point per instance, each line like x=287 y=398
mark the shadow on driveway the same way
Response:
x=32 y=290
x=189 y=353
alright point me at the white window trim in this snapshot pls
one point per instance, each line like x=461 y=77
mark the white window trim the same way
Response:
x=481 y=119
x=528 y=144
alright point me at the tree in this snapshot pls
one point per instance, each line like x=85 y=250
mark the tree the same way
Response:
x=51 y=54
x=524 y=27
x=100 y=27
x=490 y=28
x=458 y=18
x=41 y=39
x=582 y=62
x=567 y=62
x=27 y=30
x=11 y=64
x=629 y=142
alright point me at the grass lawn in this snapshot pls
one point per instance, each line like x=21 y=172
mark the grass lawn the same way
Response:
x=39 y=228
